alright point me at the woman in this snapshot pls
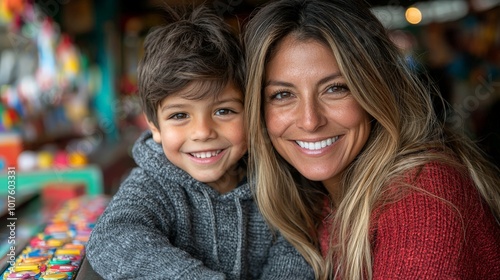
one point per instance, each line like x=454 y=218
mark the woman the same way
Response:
x=350 y=162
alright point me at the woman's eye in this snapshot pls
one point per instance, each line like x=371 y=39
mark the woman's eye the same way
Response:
x=281 y=95
x=223 y=112
x=178 y=116
x=338 y=88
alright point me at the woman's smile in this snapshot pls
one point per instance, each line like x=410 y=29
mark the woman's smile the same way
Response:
x=317 y=145
x=312 y=118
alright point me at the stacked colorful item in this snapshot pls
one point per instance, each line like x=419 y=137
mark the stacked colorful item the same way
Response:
x=58 y=251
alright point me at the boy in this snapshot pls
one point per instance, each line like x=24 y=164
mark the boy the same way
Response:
x=187 y=212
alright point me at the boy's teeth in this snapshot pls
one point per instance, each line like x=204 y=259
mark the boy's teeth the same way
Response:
x=206 y=154
x=317 y=145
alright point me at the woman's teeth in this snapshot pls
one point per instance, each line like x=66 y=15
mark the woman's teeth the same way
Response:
x=317 y=145
x=206 y=154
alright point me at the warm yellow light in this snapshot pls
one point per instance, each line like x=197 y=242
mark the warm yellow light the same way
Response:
x=413 y=15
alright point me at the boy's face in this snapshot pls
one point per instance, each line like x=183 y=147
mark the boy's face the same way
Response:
x=204 y=137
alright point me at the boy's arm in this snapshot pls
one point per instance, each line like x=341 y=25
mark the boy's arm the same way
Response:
x=285 y=262
x=128 y=242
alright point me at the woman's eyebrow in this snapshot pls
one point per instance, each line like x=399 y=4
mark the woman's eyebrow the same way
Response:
x=286 y=84
x=329 y=78
x=277 y=83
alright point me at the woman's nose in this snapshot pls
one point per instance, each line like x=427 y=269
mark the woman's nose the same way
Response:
x=310 y=116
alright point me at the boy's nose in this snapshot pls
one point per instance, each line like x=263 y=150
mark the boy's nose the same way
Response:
x=203 y=129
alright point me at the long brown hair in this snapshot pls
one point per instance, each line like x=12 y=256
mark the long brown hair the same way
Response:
x=404 y=128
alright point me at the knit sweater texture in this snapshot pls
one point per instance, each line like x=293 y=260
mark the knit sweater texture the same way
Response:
x=420 y=236
x=163 y=224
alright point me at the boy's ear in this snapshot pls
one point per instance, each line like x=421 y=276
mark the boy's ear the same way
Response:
x=155 y=131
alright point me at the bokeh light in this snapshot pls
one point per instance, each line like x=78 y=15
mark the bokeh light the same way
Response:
x=413 y=15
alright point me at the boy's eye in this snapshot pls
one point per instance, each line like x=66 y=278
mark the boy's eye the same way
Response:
x=178 y=116
x=223 y=112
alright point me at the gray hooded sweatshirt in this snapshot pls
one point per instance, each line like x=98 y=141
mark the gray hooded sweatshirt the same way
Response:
x=163 y=224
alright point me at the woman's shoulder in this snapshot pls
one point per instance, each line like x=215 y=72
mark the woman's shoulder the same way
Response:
x=439 y=221
x=436 y=186
x=445 y=180
x=433 y=193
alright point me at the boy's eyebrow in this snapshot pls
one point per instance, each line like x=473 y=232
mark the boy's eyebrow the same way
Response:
x=172 y=106
x=181 y=106
x=230 y=99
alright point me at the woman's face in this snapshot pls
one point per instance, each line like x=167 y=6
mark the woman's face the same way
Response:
x=312 y=118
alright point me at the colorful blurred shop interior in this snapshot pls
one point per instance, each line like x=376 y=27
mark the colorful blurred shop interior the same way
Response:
x=69 y=111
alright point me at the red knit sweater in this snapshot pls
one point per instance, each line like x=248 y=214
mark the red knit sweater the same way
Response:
x=421 y=237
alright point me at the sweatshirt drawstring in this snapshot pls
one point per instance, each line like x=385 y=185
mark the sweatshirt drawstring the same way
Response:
x=237 y=263
x=212 y=223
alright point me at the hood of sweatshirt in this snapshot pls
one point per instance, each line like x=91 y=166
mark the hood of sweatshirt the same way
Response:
x=149 y=156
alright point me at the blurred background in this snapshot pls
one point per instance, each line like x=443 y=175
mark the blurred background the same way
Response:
x=69 y=111
x=68 y=74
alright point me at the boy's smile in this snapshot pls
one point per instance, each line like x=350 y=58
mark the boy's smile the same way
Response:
x=206 y=155
x=204 y=137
